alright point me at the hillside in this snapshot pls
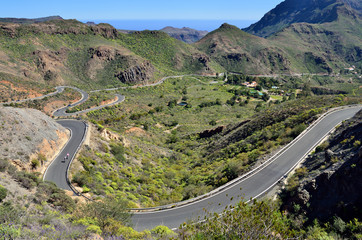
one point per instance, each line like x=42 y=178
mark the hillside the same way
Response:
x=239 y=51
x=187 y=35
x=327 y=47
x=68 y=52
x=28 y=134
x=307 y=11
x=326 y=43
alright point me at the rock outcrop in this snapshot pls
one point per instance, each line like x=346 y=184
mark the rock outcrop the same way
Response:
x=333 y=185
x=138 y=73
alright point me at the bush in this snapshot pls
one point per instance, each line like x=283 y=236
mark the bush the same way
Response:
x=162 y=232
x=35 y=163
x=27 y=180
x=118 y=151
x=93 y=229
x=3 y=193
x=9 y=232
x=9 y=213
x=49 y=192
x=4 y=165
x=256 y=220
x=212 y=123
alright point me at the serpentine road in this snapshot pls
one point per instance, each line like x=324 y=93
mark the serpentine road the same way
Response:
x=252 y=185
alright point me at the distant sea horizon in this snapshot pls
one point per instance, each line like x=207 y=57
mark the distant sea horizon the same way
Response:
x=139 y=25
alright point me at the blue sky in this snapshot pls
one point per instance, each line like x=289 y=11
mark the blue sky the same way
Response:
x=139 y=9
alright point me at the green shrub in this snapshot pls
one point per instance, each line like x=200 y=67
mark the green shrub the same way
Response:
x=162 y=232
x=106 y=212
x=3 y=193
x=9 y=213
x=4 y=164
x=118 y=151
x=9 y=232
x=27 y=180
x=94 y=229
x=35 y=163
x=49 y=192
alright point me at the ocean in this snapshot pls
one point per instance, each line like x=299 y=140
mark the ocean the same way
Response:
x=139 y=25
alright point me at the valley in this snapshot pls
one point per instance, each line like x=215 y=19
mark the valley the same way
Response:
x=156 y=134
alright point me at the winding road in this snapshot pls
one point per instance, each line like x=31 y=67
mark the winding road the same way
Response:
x=58 y=169
x=252 y=185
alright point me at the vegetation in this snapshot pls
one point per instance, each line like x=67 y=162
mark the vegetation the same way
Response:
x=182 y=138
x=257 y=220
x=50 y=104
x=167 y=158
x=95 y=99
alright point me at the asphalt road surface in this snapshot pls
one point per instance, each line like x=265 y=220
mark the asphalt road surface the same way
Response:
x=57 y=171
x=250 y=187
x=61 y=112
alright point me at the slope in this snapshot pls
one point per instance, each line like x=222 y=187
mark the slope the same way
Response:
x=308 y=11
x=328 y=47
x=325 y=47
x=239 y=51
x=68 y=52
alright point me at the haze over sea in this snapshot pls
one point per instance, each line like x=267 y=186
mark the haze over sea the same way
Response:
x=140 y=25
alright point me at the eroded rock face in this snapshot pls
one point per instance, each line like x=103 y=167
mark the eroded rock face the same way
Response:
x=104 y=30
x=138 y=73
x=49 y=63
x=333 y=185
x=211 y=132
x=274 y=59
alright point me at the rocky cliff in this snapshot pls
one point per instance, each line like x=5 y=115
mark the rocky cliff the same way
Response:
x=137 y=73
x=331 y=185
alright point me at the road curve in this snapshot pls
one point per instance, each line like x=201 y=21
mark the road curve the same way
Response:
x=250 y=187
x=57 y=170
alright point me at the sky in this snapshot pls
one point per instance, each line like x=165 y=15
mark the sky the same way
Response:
x=95 y=10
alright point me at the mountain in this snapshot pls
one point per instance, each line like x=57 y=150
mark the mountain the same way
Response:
x=331 y=41
x=70 y=52
x=29 y=20
x=187 y=35
x=307 y=11
x=239 y=51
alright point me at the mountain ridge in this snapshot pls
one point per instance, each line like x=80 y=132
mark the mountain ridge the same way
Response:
x=185 y=34
x=309 y=11
x=30 y=20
